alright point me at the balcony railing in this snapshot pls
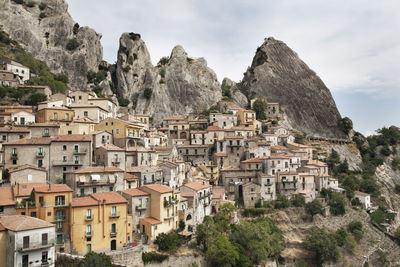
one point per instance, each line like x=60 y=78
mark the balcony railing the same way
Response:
x=88 y=218
x=141 y=207
x=88 y=234
x=113 y=233
x=14 y=156
x=80 y=151
x=169 y=217
x=46 y=134
x=59 y=218
x=67 y=163
x=55 y=204
x=40 y=154
x=35 y=246
x=170 y=203
x=114 y=215
x=59 y=230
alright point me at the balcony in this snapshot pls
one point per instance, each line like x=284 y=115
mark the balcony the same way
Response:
x=170 y=203
x=59 y=230
x=114 y=215
x=40 y=154
x=67 y=163
x=88 y=234
x=46 y=134
x=35 y=246
x=88 y=218
x=170 y=217
x=14 y=156
x=59 y=218
x=80 y=151
x=56 y=204
x=113 y=234
x=140 y=207
x=116 y=161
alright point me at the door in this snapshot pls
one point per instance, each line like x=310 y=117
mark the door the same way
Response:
x=113 y=244
x=22 y=121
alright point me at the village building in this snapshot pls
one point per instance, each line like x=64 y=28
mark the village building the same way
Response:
x=138 y=206
x=45 y=129
x=9 y=79
x=92 y=112
x=195 y=154
x=55 y=114
x=223 y=120
x=27 y=174
x=199 y=199
x=110 y=155
x=16 y=68
x=22 y=117
x=364 y=198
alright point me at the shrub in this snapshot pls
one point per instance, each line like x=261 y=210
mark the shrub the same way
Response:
x=153 y=257
x=350 y=243
x=30 y=4
x=346 y=125
x=42 y=15
x=123 y=102
x=281 y=202
x=226 y=91
x=298 y=201
x=19 y=2
x=395 y=163
x=163 y=61
x=181 y=225
x=72 y=44
x=189 y=59
x=355 y=202
x=253 y=212
x=341 y=236
x=42 y=6
x=259 y=106
x=75 y=29
x=35 y=98
x=323 y=245
x=162 y=72
x=62 y=78
x=385 y=151
x=337 y=204
x=147 y=93
x=96 y=259
x=356 y=229
x=168 y=242
x=314 y=207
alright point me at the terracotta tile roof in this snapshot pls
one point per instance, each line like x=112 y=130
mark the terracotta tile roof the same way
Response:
x=2 y=228
x=158 y=188
x=151 y=220
x=134 y=192
x=16 y=107
x=111 y=147
x=99 y=169
x=253 y=160
x=187 y=194
x=22 y=223
x=196 y=186
x=72 y=137
x=6 y=197
x=317 y=163
x=84 y=202
x=228 y=130
x=55 y=108
x=15 y=168
x=279 y=148
x=44 y=124
x=234 y=137
x=25 y=189
x=298 y=145
x=273 y=103
x=48 y=140
x=361 y=193
x=275 y=157
x=174 y=118
x=30 y=141
x=214 y=128
x=197 y=132
x=183 y=199
x=221 y=154
x=109 y=197
x=53 y=188
x=193 y=146
x=14 y=130
x=218 y=193
x=130 y=177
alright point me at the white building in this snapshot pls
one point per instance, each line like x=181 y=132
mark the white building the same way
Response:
x=18 y=69
x=199 y=198
x=29 y=241
x=225 y=121
x=364 y=198
x=22 y=117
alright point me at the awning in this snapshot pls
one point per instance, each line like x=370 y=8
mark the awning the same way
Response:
x=111 y=178
x=82 y=179
x=95 y=177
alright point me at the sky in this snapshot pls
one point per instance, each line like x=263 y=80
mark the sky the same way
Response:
x=354 y=46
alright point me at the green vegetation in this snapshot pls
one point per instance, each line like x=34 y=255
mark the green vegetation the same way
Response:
x=96 y=77
x=42 y=15
x=35 y=98
x=323 y=244
x=147 y=93
x=314 y=207
x=181 y=222
x=395 y=163
x=337 y=203
x=259 y=106
x=72 y=44
x=162 y=72
x=152 y=257
x=206 y=112
x=168 y=242
x=253 y=212
x=42 y=6
x=346 y=125
x=96 y=259
x=31 y=4
x=123 y=102
x=248 y=243
x=356 y=229
x=397 y=234
x=163 y=61
x=381 y=216
x=299 y=138
x=297 y=201
x=281 y=202
x=19 y=2
x=226 y=91
x=134 y=36
x=75 y=29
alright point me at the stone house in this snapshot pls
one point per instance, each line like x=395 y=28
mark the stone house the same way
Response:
x=253 y=164
x=171 y=172
x=251 y=194
x=93 y=180
x=258 y=152
x=178 y=130
x=273 y=110
x=22 y=117
x=268 y=187
x=194 y=153
x=81 y=97
x=146 y=175
x=110 y=155
x=199 y=199
x=275 y=163
x=27 y=174
x=233 y=146
x=92 y=112
x=199 y=138
x=272 y=139
x=78 y=126
x=174 y=119
x=66 y=100
x=138 y=206
x=26 y=240
x=244 y=130
x=55 y=114
x=287 y=183
x=106 y=104
x=140 y=156
x=45 y=129
x=245 y=115
x=8 y=78
x=214 y=133
x=223 y=120
x=16 y=68
x=10 y=134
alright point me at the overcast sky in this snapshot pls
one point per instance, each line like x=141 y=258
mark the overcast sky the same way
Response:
x=352 y=45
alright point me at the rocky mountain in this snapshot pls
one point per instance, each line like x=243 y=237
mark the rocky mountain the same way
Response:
x=180 y=85
x=277 y=74
x=45 y=29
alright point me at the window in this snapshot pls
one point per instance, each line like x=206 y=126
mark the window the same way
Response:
x=44 y=257
x=89 y=214
x=60 y=200
x=94 y=190
x=44 y=239
x=111 y=188
x=117 y=131
x=88 y=248
x=26 y=242
x=80 y=97
x=76 y=148
x=67 y=116
x=112 y=123
x=55 y=116
x=14 y=162
x=113 y=228
x=85 y=113
x=89 y=229
x=64 y=147
x=25 y=260
x=82 y=192
x=40 y=163
x=113 y=210
x=106 y=123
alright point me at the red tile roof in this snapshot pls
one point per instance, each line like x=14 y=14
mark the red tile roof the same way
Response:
x=14 y=130
x=361 y=193
x=214 y=128
x=158 y=188
x=72 y=138
x=134 y=192
x=151 y=220
x=2 y=228
x=84 y=202
x=129 y=176
x=253 y=160
x=187 y=194
x=25 y=189
x=221 y=154
x=99 y=169
x=197 y=186
x=174 y=118
x=53 y=188
x=22 y=223
x=109 y=197
x=6 y=196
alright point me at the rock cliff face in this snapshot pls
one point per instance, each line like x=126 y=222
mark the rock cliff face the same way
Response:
x=278 y=75
x=180 y=86
x=45 y=34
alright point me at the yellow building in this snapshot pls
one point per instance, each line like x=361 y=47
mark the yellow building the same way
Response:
x=145 y=119
x=100 y=223
x=164 y=215
x=55 y=114
x=3 y=246
x=245 y=115
x=123 y=131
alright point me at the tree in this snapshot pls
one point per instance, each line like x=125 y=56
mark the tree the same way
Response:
x=397 y=234
x=298 y=201
x=62 y=78
x=93 y=259
x=76 y=28
x=314 y=207
x=147 y=93
x=182 y=225
x=341 y=236
x=333 y=160
x=226 y=91
x=323 y=245
x=42 y=6
x=72 y=44
x=337 y=204
x=163 y=61
x=222 y=252
x=356 y=229
x=168 y=242
x=123 y=102
x=259 y=106
x=35 y=98
x=343 y=167
x=281 y=202
x=346 y=124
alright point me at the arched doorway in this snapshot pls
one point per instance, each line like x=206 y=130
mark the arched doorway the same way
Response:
x=113 y=244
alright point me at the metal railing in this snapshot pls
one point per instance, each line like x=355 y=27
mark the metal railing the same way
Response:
x=80 y=151
x=35 y=245
x=66 y=162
